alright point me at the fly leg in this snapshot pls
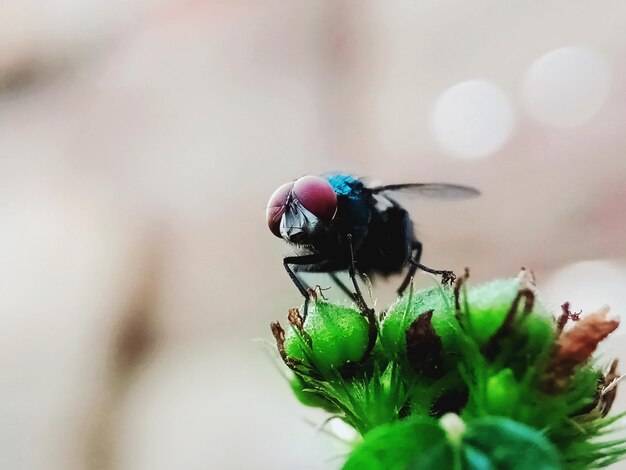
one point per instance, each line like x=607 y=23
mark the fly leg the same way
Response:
x=412 y=269
x=357 y=295
x=365 y=310
x=413 y=252
x=446 y=276
x=302 y=287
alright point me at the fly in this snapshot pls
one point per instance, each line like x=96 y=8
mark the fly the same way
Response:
x=337 y=223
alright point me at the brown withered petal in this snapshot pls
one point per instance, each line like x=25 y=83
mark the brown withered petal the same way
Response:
x=279 y=336
x=295 y=319
x=423 y=347
x=574 y=347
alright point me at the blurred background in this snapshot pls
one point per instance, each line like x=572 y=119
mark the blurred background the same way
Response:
x=140 y=141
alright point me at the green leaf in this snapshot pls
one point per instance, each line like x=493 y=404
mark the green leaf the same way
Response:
x=504 y=444
x=440 y=456
x=474 y=459
x=396 y=446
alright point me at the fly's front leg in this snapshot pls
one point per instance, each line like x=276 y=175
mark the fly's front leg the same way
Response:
x=301 y=261
x=447 y=277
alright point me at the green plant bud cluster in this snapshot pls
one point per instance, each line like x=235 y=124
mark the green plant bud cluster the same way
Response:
x=524 y=389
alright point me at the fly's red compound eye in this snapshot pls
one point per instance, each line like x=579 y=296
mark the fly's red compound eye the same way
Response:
x=317 y=196
x=276 y=207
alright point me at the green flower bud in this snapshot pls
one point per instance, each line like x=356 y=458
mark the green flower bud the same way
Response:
x=439 y=300
x=490 y=304
x=331 y=337
x=502 y=392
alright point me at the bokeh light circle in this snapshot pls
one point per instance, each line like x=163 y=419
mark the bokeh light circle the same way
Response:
x=473 y=119
x=567 y=87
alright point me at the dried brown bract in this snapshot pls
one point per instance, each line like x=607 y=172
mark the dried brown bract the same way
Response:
x=608 y=389
x=424 y=348
x=574 y=347
x=457 y=294
x=492 y=348
x=279 y=336
x=295 y=319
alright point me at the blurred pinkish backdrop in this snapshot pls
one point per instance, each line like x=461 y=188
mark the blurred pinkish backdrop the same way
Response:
x=139 y=142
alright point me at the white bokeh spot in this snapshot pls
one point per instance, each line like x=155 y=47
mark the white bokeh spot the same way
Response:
x=473 y=119
x=567 y=87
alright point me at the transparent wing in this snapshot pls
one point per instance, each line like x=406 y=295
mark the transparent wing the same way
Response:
x=443 y=191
